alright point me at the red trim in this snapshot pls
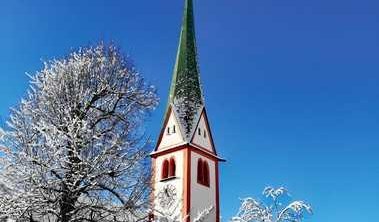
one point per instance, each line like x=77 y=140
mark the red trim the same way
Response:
x=217 y=193
x=204 y=153
x=187 y=184
x=187 y=152
x=167 y=151
x=203 y=148
x=192 y=147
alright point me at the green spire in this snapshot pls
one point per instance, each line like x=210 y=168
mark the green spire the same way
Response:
x=185 y=92
x=185 y=80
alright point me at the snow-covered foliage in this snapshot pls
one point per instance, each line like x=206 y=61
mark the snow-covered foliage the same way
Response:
x=203 y=215
x=76 y=150
x=253 y=210
x=172 y=215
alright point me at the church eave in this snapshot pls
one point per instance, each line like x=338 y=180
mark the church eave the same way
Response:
x=185 y=146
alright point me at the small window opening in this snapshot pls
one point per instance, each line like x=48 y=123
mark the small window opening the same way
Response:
x=174 y=129
x=199 y=132
x=168 y=130
x=205 y=134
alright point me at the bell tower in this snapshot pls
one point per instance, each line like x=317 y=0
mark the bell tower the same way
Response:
x=185 y=163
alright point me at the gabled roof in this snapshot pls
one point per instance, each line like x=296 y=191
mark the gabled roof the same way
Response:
x=208 y=128
x=186 y=95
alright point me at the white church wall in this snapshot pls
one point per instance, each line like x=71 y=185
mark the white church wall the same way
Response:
x=203 y=197
x=177 y=182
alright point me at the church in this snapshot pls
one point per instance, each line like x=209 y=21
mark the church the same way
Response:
x=185 y=162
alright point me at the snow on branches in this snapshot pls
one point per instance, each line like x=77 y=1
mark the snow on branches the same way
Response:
x=76 y=147
x=253 y=210
x=172 y=215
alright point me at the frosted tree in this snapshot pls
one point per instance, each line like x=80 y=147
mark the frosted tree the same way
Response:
x=74 y=149
x=172 y=215
x=253 y=210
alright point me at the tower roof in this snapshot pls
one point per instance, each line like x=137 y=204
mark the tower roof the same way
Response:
x=185 y=93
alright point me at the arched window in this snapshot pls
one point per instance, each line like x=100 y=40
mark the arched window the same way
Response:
x=203 y=172
x=172 y=168
x=206 y=173
x=165 y=169
x=200 y=177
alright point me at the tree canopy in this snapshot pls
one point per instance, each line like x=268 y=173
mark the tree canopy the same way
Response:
x=74 y=148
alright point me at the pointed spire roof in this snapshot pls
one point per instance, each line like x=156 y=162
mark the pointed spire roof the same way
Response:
x=186 y=95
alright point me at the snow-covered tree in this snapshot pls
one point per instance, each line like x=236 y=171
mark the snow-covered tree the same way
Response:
x=74 y=149
x=169 y=215
x=253 y=210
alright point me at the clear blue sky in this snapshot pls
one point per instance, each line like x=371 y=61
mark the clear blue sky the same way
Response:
x=291 y=86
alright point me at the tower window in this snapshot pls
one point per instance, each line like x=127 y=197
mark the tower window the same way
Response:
x=165 y=166
x=205 y=134
x=199 y=132
x=206 y=173
x=200 y=175
x=172 y=169
x=168 y=168
x=203 y=172
x=171 y=130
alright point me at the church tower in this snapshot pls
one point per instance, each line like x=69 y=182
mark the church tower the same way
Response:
x=185 y=163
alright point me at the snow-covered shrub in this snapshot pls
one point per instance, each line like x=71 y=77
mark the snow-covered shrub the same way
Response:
x=252 y=210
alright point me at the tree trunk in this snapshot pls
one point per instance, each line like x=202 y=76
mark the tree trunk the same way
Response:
x=69 y=198
x=67 y=206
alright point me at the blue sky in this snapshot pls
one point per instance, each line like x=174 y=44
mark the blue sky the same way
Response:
x=291 y=86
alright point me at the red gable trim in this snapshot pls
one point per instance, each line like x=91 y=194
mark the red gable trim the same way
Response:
x=192 y=147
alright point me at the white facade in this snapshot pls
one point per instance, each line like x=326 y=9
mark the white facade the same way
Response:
x=177 y=182
x=203 y=197
x=172 y=135
x=202 y=136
